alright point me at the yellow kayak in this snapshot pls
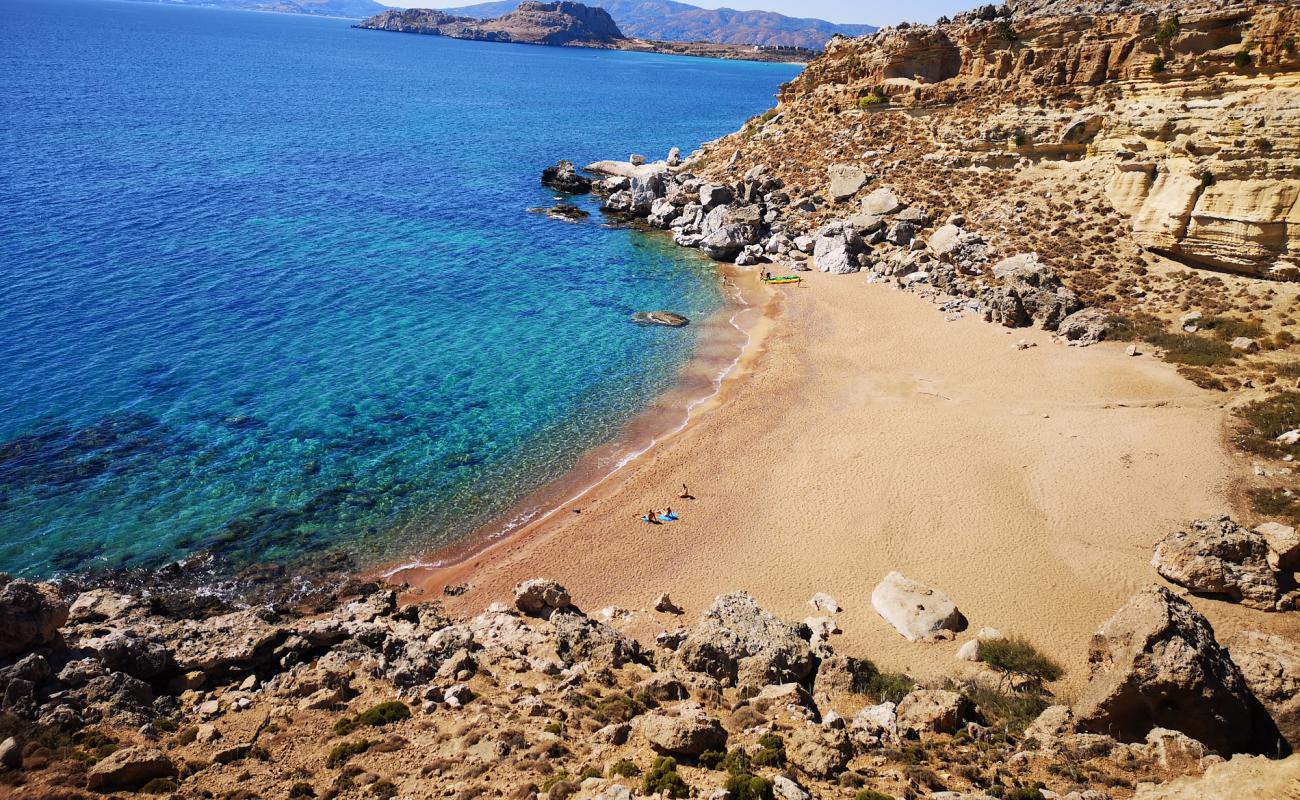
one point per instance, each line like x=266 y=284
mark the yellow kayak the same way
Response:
x=785 y=279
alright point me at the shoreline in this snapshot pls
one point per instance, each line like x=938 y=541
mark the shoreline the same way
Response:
x=702 y=385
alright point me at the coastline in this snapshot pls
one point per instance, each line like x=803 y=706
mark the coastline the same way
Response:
x=868 y=434
x=730 y=341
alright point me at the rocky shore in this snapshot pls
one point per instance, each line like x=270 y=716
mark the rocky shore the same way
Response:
x=103 y=694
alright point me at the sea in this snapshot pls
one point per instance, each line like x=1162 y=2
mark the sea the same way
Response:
x=272 y=288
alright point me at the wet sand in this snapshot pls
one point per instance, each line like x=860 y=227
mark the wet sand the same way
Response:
x=865 y=433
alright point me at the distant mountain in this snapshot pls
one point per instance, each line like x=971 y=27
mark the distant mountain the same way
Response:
x=678 y=22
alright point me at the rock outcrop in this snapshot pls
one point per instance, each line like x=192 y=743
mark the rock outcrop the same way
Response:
x=1271 y=666
x=1156 y=663
x=557 y=23
x=30 y=615
x=736 y=641
x=1220 y=557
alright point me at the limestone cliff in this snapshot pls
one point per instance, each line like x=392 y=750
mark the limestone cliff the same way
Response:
x=561 y=23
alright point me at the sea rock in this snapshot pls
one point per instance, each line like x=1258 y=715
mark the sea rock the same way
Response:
x=668 y=319
x=881 y=202
x=1085 y=327
x=835 y=248
x=1271 y=666
x=30 y=615
x=564 y=177
x=100 y=605
x=820 y=752
x=737 y=641
x=130 y=768
x=541 y=596
x=1156 y=663
x=675 y=157
x=1220 y=557
x=927 y=711
x=1031 y=293
x=846 y=180
x=687 y=735
x=917 y=611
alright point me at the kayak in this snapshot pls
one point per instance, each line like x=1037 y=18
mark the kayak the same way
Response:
x=785 y=279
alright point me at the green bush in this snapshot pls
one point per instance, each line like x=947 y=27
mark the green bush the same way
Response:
x=1006 y=32
x=1017 y=656
x=624 y=769
x=1166 y=31
x=1207 y=179
x=187 y=736
x=890 y=687
x=1193 y=350
x=664 y=780
x=343 y=751
x=872 y=99
x=746 y=786
x=771 y=751
x=592 y=771
x=383 y=788
x=618 y=708
x=1242 y=60
x=377 y=717
x=1157 y=66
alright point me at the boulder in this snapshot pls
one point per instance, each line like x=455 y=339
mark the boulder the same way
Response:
x=541 y=596
x=1030 y=293
x=819 y=752
x=841 y=674
x=1220 y=557
x=917 y=611
x=688 y=735
x=1085 y=327
x=1050 y=726
x=927 y=711
x=876 y=724
x=30 y=615
x=1283 y=545
x=674 y=157
x=713 y=195
x=1174 y=751
x=668 y=319
x=579 y=639
x=664 y=604
x=1271 y=666
x=881 y=202
x=736 y=640
x=564 y=177
x=11 y=754
x=779 y=696
x=900 y=233
x=130 y=768
x=846 y=180
x=836 y=247
x=100 y=605
x=1244 y=344
x=1241 y=778
x=1156 y=663
x=785 y=789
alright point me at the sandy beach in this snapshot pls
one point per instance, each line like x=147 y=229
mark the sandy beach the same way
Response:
x=866 y=433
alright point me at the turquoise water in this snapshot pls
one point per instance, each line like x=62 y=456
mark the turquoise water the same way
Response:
x=271 y=288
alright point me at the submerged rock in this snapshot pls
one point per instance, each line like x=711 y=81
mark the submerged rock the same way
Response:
x=666 y=318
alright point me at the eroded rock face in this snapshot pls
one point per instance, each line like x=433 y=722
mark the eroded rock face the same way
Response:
x=1219 y=557
x=1156 y=663
x=1271 y=666
x=919 y=612
x=736 y=640
x=30 y=615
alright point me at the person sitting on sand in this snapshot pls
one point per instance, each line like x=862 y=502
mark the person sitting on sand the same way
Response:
x=652 y=517
x=686 y=493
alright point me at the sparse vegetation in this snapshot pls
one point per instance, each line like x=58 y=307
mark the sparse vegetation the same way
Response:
x=890 y=687
x=1016 y=656
x=872 y=99
x=871 y=794
x=1166 y=31
x=771 y=751
x=376 y=717
x=623 y=768
x=1006 y=32
x=1243 y=59
x=383 y=788
x=663 y=779
x=1207 y=179
x=1276 y=504
x=1009 y=710
x=1157 y=65
x=1265 y=420
x=301 y=789
x=747 y=786
x=343 y=751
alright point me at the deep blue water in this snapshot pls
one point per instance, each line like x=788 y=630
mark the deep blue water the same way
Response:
x=270 y=285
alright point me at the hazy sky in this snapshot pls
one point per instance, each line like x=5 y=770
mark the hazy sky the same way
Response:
x=871 y=12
